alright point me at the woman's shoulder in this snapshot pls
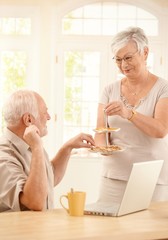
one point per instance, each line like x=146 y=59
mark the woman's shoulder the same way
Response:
x=161 y=81
x=111 y=91
x=113 y=85
x=161 y=87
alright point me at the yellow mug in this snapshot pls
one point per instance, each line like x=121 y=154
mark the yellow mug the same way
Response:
x=76 y=203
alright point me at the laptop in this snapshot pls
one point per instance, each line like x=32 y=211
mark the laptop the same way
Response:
x=138 y=192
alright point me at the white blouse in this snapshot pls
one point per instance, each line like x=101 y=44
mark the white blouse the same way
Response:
x=138 y=146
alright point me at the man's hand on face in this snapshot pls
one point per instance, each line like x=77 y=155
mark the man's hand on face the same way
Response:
x=32 y=136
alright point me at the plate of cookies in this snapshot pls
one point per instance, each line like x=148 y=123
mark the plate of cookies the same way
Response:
x=107 y=150
x=108 y=129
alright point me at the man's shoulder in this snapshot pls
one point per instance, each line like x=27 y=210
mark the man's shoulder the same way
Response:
x=6 y=146
x=4 y=142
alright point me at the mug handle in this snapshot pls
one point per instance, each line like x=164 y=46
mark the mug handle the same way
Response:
x=64 y=196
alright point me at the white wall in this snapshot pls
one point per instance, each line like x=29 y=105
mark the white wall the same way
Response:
x=81 y=175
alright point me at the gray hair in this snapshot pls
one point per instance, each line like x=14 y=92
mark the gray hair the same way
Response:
x=19 y=103
x=122 y=38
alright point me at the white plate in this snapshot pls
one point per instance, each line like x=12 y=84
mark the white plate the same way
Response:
x=104 y=130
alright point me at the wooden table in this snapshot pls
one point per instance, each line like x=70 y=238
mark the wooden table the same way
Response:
x=58 y=225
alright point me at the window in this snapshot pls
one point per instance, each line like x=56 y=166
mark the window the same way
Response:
x=85 y=65
x=13 y=74
x=81 y=91
x=17 y=54
x=15 y=26
x=107 y=18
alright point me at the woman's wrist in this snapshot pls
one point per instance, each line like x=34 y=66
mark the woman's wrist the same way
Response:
x=132 y=115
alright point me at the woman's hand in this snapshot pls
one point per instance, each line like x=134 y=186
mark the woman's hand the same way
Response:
x=117 y=108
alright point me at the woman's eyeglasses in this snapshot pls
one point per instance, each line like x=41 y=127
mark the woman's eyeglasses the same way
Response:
x=126 y=59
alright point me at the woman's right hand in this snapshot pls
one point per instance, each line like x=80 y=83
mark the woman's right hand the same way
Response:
x=117 y=108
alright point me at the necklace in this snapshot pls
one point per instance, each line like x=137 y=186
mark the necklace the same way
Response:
x=133 y=93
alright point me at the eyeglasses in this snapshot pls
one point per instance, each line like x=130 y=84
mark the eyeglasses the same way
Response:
x=126 y=59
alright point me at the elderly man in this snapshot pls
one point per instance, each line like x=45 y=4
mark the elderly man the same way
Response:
x=27 y=177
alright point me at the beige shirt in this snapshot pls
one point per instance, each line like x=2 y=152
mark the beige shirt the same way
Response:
x=15 y=160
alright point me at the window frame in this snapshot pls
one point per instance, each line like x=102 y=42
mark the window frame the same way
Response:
x=86 y=43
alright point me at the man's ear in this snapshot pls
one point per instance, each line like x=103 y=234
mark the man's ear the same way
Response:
x=146 y=51
x=27 y=120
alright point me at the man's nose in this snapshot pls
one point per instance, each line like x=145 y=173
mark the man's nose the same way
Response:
x=48 y=116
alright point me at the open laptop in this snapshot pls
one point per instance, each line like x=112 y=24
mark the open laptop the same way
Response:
x=138 y=192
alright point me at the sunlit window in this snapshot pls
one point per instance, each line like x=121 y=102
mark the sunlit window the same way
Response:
x=107 y=18
x=13 y=74
x=13 y=62
x=15 y=26
x=81 y=91
x=82 y=68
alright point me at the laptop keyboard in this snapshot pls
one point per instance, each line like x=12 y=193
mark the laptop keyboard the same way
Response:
x=101 y=209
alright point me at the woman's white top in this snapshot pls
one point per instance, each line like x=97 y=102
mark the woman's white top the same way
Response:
x=138 y=146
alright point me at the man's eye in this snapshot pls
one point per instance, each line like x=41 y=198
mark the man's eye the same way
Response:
x=118 y=60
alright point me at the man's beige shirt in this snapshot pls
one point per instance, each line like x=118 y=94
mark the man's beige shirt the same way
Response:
x=15 y=161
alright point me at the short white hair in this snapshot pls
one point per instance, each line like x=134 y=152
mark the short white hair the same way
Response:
x=19 y=103
x=122 y=38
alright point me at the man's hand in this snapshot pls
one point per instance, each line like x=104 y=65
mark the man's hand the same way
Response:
x=82 y=140
x=31 y=136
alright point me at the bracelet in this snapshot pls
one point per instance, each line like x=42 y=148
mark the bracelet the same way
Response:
x=133 y=113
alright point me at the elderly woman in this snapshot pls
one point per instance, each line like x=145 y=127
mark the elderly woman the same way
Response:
x=137 y=104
